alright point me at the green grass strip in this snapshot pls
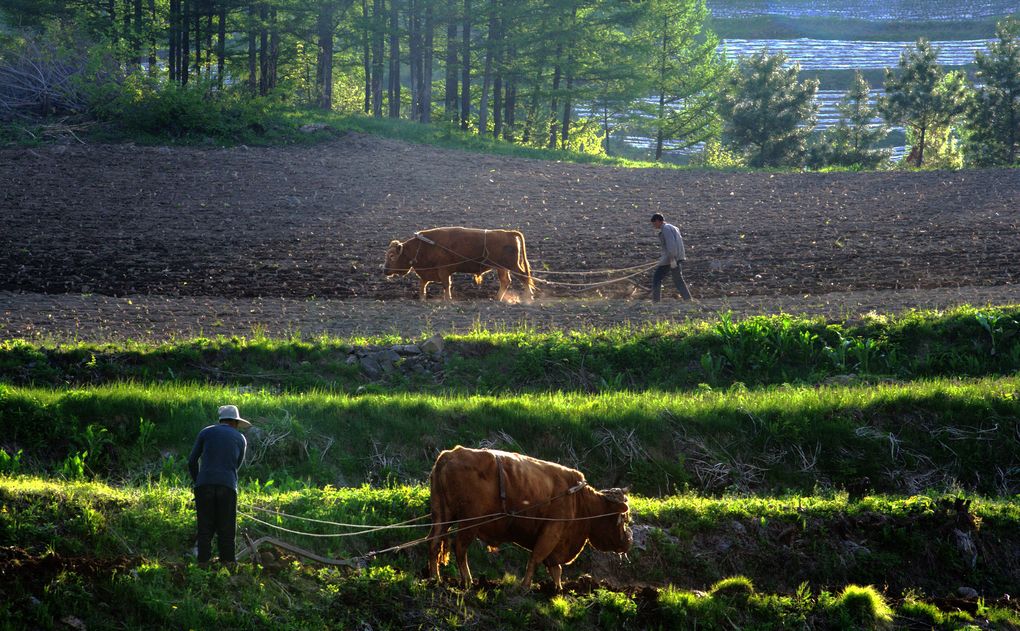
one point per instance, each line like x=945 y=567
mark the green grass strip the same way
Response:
x=824 y=543
x=760 y=350
x=892 y=436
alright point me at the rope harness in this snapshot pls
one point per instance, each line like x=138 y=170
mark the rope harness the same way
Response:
x=361 y=561
x=484 y=260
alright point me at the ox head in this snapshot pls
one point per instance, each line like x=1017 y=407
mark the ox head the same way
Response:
x=397 y=260
x=612 y=533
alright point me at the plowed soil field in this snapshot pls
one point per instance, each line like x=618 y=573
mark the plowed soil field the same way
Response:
x=102 y=239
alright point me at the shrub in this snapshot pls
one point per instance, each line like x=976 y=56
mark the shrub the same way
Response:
x=161 y=108
x=735 y=588
x=863 y=608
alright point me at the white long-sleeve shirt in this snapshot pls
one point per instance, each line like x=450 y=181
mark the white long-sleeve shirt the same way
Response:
x=672 y=244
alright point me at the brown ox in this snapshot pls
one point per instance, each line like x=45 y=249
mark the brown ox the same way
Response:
x=436 y=254
x=500 y=497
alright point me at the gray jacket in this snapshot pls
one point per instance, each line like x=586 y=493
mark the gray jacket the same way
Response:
x=672 y=244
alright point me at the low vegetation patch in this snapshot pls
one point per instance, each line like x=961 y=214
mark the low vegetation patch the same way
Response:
x=875 y=462
x=762 y=350
x=892 y=437
x=137 y=569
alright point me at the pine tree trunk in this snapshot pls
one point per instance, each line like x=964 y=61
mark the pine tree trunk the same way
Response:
x=531 y=113
x=153 y=59
x=553 y=106
x=128 y=35
x=920 y=151
x=136 y=40
x=253 y=72
x=172 y=47
x=605 y=127
x=661 y=119
x=394 y=59
x=208 y=41
x=414 y=57
x=1012 y=132
x=451 y=66
x=567 y=107
x=430 y=33
x=377 y=57
x=263 y=49
x=324 y=74
x=198 y=42
x=465 y=70
x=221 y=46
x=659 y=125
x=366 y=54
x=274 y=49
x=510 y=102
x=483 y=103
x=185 y=52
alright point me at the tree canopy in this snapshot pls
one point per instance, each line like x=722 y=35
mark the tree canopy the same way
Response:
x=769 y=114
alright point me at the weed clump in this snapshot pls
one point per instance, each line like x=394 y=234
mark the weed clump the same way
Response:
x=734 y=589
x=862 y=608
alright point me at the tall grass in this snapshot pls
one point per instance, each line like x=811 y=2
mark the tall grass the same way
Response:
x=902 y=437
x=761 y=350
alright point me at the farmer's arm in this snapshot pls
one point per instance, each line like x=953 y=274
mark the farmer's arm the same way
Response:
x=240 y=454
x=196 y=452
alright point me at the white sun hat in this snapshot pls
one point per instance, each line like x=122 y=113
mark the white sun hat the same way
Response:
x=230 y=413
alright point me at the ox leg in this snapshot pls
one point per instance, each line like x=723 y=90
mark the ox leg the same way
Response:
x=460 y=546
x=448 y=283
x=504 y=283
x=424 y=286
x=547 y=542
x=556 y=573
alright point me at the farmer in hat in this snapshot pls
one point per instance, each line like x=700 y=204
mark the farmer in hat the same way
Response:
x=672 y=258
x=213 y=464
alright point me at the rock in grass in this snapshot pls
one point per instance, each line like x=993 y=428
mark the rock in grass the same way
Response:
x=433 y=345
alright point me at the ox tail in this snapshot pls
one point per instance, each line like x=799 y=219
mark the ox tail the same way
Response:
x=439 y=547
x=524 y=266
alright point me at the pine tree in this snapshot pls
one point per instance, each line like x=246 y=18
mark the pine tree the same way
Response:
x=686 y=72
x=994 y=126
x=768 y=114
x=918 y=97
x=851 y=142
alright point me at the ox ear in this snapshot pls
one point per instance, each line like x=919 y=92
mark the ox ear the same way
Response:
x=398 y=245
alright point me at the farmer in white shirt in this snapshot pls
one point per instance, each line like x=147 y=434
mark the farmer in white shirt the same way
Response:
x=671 y=260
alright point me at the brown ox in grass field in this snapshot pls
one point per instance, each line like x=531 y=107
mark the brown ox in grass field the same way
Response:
x=499 y=497
x=436 y=254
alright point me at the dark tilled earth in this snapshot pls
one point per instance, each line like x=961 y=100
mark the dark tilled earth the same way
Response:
x=117 y=240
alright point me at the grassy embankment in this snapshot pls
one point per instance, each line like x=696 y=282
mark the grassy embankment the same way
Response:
x=787 y=410
x=134 y=573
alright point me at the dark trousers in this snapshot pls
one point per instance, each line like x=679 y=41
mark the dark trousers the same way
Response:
x=216 y=510
x=678 y=280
